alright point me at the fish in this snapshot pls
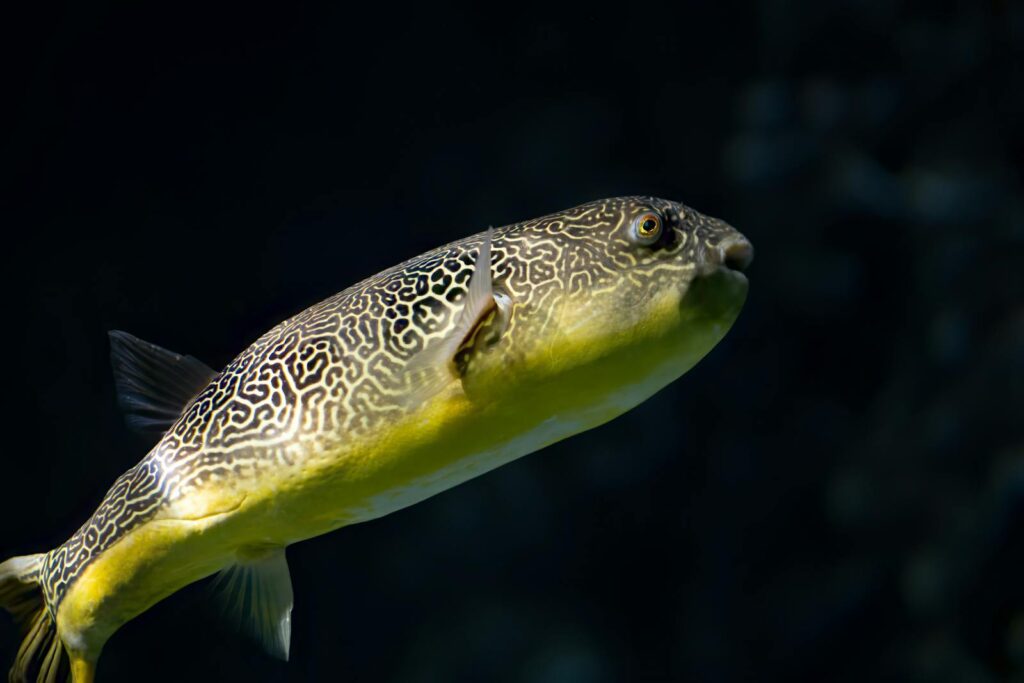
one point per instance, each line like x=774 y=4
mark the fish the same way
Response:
x=402 y=386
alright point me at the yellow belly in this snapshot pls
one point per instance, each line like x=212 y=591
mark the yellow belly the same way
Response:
x=465 y=430
x=446 y=443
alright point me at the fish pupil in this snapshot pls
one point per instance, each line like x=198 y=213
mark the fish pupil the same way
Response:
x=649 y=226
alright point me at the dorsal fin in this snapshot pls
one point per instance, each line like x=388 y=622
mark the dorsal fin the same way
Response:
x=257 y=597
x=153 y=384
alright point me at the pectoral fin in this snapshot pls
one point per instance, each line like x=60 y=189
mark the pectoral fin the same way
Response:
x=479 y=302
x=435 y=366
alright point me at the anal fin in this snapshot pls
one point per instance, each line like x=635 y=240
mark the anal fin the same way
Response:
x=257 y=597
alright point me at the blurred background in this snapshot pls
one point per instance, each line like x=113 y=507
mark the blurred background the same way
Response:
x=835 y=493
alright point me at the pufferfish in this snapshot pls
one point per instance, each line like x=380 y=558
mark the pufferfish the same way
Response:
x=404 y=385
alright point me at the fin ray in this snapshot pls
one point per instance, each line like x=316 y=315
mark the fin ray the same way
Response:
x=257 y=596
x=479 y=297
x=153 y=384
x=432 y=368
x=41 y=657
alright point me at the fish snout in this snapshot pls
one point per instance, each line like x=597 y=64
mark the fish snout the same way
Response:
x=736 y=253
x=733 y=252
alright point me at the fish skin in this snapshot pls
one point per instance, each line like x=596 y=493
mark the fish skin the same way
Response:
x=312 y=427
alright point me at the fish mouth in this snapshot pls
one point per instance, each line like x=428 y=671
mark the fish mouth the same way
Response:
x=732 y=256
x=736 y=253
x=720 y=288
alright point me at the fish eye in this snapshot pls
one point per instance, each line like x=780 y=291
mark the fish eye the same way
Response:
x=647 y=228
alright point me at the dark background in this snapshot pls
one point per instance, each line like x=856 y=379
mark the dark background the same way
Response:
x=835 y=493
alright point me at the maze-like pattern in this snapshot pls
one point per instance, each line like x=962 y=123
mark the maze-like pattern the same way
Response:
x=338 y=369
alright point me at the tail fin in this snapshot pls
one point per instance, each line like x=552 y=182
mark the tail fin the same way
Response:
x=41 y=657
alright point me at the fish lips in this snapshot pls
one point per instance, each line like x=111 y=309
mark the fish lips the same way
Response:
x=719 y=289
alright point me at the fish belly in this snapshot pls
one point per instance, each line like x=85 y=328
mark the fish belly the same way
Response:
x=455 y=442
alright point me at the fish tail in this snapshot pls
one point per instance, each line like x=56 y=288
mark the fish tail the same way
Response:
x=41 y=657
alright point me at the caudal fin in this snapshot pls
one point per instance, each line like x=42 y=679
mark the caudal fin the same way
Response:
x=41 y=657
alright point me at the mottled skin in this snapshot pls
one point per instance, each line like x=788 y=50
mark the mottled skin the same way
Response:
x=330 y=419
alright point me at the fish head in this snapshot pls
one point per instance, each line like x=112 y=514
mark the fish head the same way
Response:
x=646 y=287
x=656 y=245
x=670 y=257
